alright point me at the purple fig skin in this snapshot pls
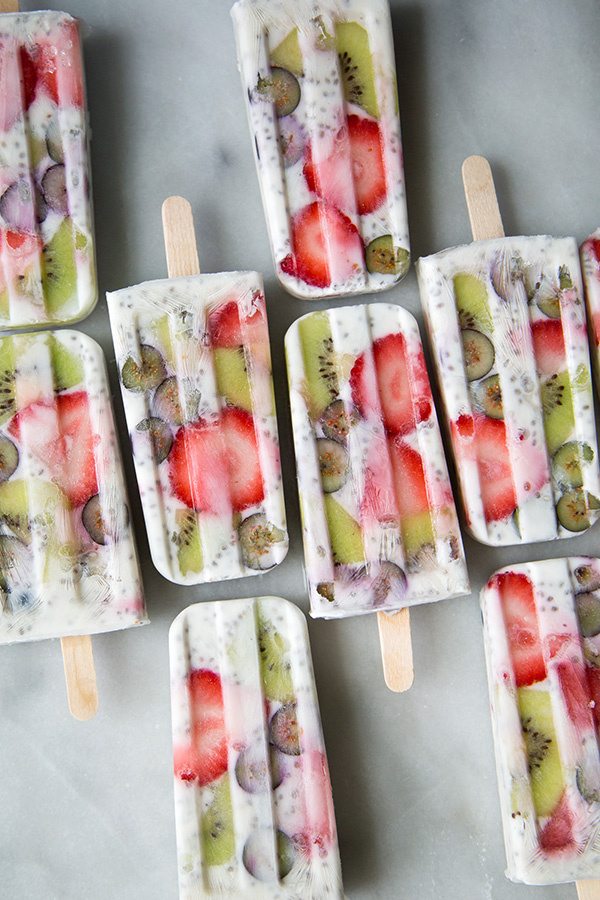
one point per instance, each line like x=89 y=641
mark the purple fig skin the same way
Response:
x=54 y=188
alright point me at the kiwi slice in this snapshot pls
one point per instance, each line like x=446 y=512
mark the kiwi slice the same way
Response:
x=333 y=464
x=8 y=405
x=543 y=760
x=326 y=589
x=4 y=304
x=587 y=577
x=589 y=794
x=282 y=88
x=284 y=732
x=547 y=299
x=146 y=373
x=587 y=606
x=162 y=332
x=59 y=271
x=67 y=368
x=216 y=827
x=9 y=458
x=160 y=435
x=258 y=853
x=491 y=397
x=257 y=537
x=287 y=54
x=478 y=353
x=471 y=298
x=336 y=422
x=14 y=505
x=356 y=66
x=385 y=259
x=567 y=461
x=232 y=376
x=319 y=363
x=344 y=533
x=15 y=573
x=167 y=404
x=573 y=509
x=417 y=532
x=274 y=663
x=187 y=540
x=557 y=405
x=54 y=141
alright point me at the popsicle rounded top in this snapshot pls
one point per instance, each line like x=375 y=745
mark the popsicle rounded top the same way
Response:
x=253 y=804
x=47 y=257
x=320 y=86
x=542 y=641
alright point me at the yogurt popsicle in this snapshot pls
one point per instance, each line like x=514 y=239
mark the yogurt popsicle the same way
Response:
x=253 y=805
x=379 y=523
x=68 y=563
x=590 y=262
x=321 y=94
x=542 y=642
x=195 y=371
x=47 y=267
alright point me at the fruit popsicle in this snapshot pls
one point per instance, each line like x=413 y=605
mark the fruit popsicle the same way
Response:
x=542 y=642
x=47 y=264
x=590 y=263
x=508 y=328
x=322 y=103
x=253 y=805
x=68 y=562
x=195 y=371
x=379 y=523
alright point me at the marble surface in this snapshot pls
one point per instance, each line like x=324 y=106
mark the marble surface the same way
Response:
x=86 y=809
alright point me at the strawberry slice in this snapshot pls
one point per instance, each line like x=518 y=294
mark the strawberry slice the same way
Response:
x=215 y=465
x=205 y=759
x=60 y=435
x=593 y=679
x=596 y=327
x=575 y=690
x=324 y=241
x=38 y=68
x=225 y=324
x=409 y=476
x=557 y=833
x=355 y=167
x=495 y=472
x=548 y=346
x=520 y=619
x=402 y=386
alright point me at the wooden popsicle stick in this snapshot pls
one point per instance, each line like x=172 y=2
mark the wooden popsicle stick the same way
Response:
x=396 y=649
x=180 y=238
x=80 y=676
x=588 y=890
x=9 y=6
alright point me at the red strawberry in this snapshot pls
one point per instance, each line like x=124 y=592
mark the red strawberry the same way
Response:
x=409 y=476
x=548 y=346
x=576 y=693
x=520 y=619
x=39 y=68
x=205 y=759
x=593 y=245
x=495 y=473
x=326 y=244
x=596 y=327
x=213 y=464
x=557 y=833
x=355 y=166
x=225 y=324
x=401 y=385
x=593 y=678
x=60 y=435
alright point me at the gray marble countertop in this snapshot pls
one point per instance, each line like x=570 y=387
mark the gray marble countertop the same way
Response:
x=86 y=810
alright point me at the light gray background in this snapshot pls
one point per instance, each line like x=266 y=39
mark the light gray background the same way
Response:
x=86 y=809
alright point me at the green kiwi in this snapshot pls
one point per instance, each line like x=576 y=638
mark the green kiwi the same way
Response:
x=587 y=606
x=257 y=537
x=14 y=504
x=274 y=663
x=557 y=405
x=232 y=376
x=167 y=405
x=162 y=332
x=543 y=759
x=548 y=301
x=478 y=353
x=336 y=422
x=471 y=298
x=282 y=88
x=567 y=462
x=216 y=826
x=356 y=66
x=344 y=533
x=146 y=373
x=326 y=589
x=187 y=540
x=383 y=258
x=9 y=458
x=4 y=304
x=8 y=405
x=38 y=150
x=589 y=794
x=54 y=141
x=160 y=435
x=491 y=397
x=287 y=54
x=573 y=509
x=319 y=364
x=587 y=577
x=334 y=464
x=59 y=271
x=67 y=368
x=417 y=532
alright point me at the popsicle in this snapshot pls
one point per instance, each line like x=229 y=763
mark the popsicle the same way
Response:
x=195 y=372
x=379 y=524
x=68 y=563
x=47 y=263
x=253 y=804
x=590 y=263
x=542 y=642
x=321 y=95
x=507 y=325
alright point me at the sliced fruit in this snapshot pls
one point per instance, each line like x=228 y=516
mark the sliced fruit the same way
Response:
x=93 y=522
x=566 y=463
x=287 y=54
x=258 y=853
x=284 y=732
x=15 y=573
x=336 y=422
x=382 y=257
x=318 y=355
x=548 y=346
x=9 y=458
x=257 y=537
x=326 y=589
x=14 y=505
x=548 y=301
x=495 y=471
x=557 y=834
x=187 y=540
x=17 y=206
x=67 y=368
x=217 y=826
x=54 y=189
x=573 y=510
x=54 y=141
x=588 y=577
x=59 y=271
x=225 y=327
x=589 y=794
x=292 y=140
x=478 y=352
x=160 y=436
x=543 y=760
x=146 y=373
x=39 y=71
x=205 y=759
x=333 y=464
x=388 y=584
x=471 y=297
x=520 y=619
x=275 y=665
x=490 y=397
x=576 y=694
x=254 y=775
x=356 y=66
x=232 y=376
x=344 y=533
x=319 y=231
x=557 y=405
x=402 y=382
x=587 y=607
x=166 y=403
x=417 y=532
x=7 y=379
x=282 y=88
